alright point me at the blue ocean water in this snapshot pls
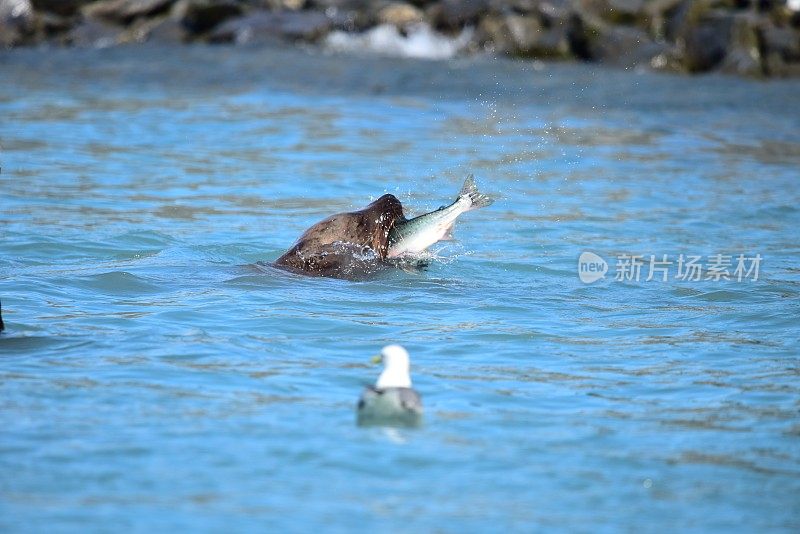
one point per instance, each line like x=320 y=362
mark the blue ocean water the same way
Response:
x=151 y=378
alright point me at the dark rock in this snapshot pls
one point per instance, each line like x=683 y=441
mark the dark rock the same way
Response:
x=625 y=46
x=520 y=7
x=49 y=25
x=793 y=17
x=780 y=49
x=672 y=20
x=342 y=5
x=724 y=40
x=626 y=12
x=16 y=22
x=626 y=7
x=580 y=35
x=522 y=35
x=65 y=8
x=266 y=26
x=761 y=5
x=783 y=41
x=775 y=66
x=125 y=11
x=665 y=17
x=706 y=43
x=451 y=15
x=201 y=16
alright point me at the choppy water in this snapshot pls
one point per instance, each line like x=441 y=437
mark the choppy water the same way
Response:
x=149 y=379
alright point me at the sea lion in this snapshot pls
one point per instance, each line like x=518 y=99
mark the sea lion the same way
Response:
x=354 y=244
x=342 y=242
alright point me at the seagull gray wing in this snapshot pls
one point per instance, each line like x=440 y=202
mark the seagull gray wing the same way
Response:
x=409 y=399
x=401 y=406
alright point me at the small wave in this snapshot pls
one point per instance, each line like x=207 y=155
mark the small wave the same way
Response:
x=409 y=264
x=419 y=41
x=420 y=261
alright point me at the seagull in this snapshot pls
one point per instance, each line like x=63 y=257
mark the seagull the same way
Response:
x=391 y=401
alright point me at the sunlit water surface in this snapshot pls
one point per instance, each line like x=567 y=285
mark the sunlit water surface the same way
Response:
x=150 y=379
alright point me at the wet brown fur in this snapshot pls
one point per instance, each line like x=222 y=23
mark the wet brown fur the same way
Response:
x=320 y=249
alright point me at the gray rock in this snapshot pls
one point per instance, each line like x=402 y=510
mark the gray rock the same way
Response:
x=16 y=22
x=705 y=44
x=625 y=46
x=166 y=30
x=742 y=62
x=552 y=10
x=722 y=40
x=630 y=7
x=520 y=7
x=524 y=35
x=783 y=41
x=266 y=26
x=743 y=56
x=125 y=11
x=201 y=16
x=351 y=21
x=665 y=17
x=92 y=33
x=50 y=25
x=343 y=5
x=615 y=11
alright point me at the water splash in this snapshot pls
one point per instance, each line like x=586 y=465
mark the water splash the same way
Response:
x=419 y=41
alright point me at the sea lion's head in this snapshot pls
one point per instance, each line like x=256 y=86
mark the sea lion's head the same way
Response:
x=327 y=247
x=383 y=214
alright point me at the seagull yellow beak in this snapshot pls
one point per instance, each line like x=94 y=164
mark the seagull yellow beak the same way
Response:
x=376 y=359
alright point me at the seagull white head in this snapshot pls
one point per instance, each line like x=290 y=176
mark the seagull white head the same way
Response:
x=395 y=368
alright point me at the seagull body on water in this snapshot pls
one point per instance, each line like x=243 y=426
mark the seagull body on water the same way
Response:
x=391 y=401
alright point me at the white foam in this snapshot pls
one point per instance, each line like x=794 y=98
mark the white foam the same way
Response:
x=420 y=41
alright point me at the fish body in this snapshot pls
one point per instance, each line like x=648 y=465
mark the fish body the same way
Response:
x=413 y=236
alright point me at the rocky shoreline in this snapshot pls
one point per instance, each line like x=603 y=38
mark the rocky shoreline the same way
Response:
x=756 y=38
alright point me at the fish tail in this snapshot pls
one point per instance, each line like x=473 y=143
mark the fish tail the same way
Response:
x=476 y=198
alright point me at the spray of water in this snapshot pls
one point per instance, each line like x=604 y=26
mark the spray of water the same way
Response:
x=419 y=41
